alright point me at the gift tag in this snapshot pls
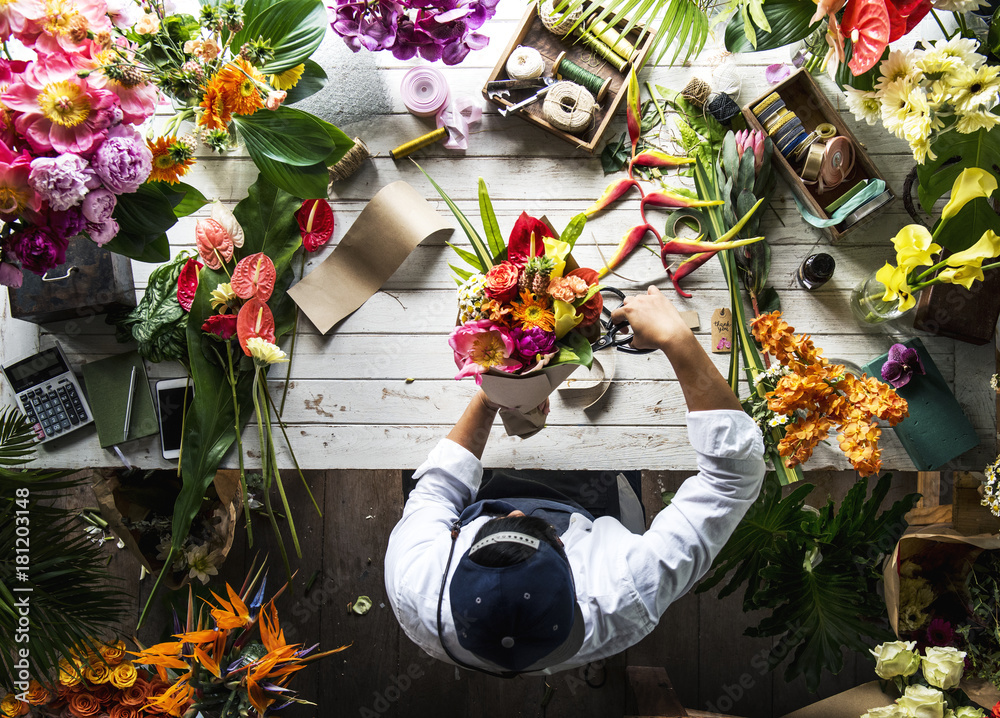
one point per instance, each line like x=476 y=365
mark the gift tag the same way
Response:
x=722 y=331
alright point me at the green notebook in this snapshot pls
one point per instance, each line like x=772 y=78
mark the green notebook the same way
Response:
x=107 y=383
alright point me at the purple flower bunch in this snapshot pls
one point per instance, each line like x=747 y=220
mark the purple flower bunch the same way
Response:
x=433 y=29
x=531 y=342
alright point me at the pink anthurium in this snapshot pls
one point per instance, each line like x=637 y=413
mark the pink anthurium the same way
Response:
x=215 y=244
x=254 y=320
x=315 y=218
x=254 y=276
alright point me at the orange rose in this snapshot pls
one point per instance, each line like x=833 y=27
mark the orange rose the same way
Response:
x=38 y=695
x=113 y=653
x=104 y=692
x=11 y=707
x=123 y=675
x=123 y=711
x=501 y=281
x=84 y=705
x=97 y=672
x=135 y=695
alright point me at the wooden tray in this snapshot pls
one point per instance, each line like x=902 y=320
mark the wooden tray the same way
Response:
x=532 y=33
x=803 y=97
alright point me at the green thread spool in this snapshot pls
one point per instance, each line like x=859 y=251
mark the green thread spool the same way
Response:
x=565 y=68
x=613 y=39
x=602 y=49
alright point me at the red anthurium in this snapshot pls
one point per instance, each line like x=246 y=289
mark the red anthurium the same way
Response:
x=904 y=16
x=254 y=276
x=866 y=23
x=315 y=218
x=591 y=309
x=612 y=193
x=221 y=325
x=187 y=283
x=520 y=246
x=254 y=320
x=629 y=242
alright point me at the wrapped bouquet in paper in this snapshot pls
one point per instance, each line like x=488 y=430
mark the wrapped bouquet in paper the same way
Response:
x=526 y=312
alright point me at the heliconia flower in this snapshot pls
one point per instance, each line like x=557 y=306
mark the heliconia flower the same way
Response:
x=187 y=283
x=254 y=276
x=254 y=320
x=224 y=216
x=480 y=346
x=315 y=218
x=612 y=193
x=655 y=158
x=629 y=242
x=215 y=244
x=527 y=239
x=264 y=352
x=752 y=140
x=696 y=246
x=221 y=325
x=665 y=198
x=685 y=268
x=632 y=111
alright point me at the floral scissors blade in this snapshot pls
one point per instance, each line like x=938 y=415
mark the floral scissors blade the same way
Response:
x=617 y=335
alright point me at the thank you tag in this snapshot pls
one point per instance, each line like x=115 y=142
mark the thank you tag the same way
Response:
x=722 y=331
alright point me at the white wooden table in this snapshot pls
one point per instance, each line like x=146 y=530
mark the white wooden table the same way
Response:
x=352 y=404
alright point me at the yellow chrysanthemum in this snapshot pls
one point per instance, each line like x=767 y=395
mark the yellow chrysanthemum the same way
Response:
x=288 y=79
x=221 y=296
x=265 y=352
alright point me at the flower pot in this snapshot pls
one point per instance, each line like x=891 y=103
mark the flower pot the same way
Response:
x=868 y=306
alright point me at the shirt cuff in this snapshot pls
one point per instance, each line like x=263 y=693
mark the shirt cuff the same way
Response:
x=725 y=433
x=455 y=460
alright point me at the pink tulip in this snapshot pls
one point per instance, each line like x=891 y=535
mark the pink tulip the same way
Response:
x=482 y=345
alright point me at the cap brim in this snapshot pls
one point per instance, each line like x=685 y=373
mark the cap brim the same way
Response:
x=569 y=648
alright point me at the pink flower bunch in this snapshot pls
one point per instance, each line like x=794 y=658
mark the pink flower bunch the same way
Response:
x=752 y=141
x=68 y=145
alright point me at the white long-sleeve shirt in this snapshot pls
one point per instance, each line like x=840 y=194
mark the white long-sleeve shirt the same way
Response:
x=624 y=582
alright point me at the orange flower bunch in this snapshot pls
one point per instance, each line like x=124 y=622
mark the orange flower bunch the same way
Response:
x=224 y=659
x=823 y=396
x=234 y=90
x=101 y=683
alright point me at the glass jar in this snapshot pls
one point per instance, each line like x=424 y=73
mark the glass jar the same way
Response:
x=868 y=306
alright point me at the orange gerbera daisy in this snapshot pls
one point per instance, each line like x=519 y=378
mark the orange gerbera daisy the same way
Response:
x=533 y=311
x=171 y=159
x=239 y=84
x=218 y=110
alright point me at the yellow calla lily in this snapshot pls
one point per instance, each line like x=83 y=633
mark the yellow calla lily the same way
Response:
x=961 y=275
x=558 y=251
x=987 y=247
x=972 y=183
x=914 y=247
x=567 y=317
x=896 y=287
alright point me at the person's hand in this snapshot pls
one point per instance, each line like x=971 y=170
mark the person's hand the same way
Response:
x=655 y=321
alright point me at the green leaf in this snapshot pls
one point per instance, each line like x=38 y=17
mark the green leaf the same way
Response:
x=573 y=349
x=184 y=198
x=312 y=81
x=730 y=155
x=342 y=144
x=789 y=21
x=490 y=224
x=304 y=182
x=615 y=154
x=143 y=218
x=745 y=176
x=478 y=246
x=768 y=300
x=295 y=29
x=573 y=230
x=286 y=135
x=158 y=324
x=17 y=438
x=756 y=11
x=461 y=274
x=471 y=259
x=964 y=229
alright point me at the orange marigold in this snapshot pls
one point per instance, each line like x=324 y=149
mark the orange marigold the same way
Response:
x=239 y=83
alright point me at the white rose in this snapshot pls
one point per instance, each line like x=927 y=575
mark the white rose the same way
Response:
x=969 y=712
x=892 y=711
x=896 y=659
x=943 y=667
x=922 y=702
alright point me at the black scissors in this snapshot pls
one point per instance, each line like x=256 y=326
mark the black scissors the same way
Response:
x=616 y=335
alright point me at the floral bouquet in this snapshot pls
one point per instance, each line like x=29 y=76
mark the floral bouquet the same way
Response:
x=237 y=664
x=526 y=312
x=101 y=683
x=809 y=396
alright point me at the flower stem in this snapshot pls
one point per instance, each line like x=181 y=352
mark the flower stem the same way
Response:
x=239 y=447
x=281 y=424
x=291 y=348
x=940 y=24
x=265 y=470
x=277 y=473
x=222 y=262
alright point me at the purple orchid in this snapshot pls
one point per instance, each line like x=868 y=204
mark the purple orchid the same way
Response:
x=902 y=364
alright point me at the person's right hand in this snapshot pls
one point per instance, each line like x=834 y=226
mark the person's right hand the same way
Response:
x=654 y=319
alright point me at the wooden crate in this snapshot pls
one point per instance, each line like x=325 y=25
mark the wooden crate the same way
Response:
x=803 y=96
x=530 y=32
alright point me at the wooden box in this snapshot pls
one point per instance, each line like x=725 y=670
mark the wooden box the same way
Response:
x=803 y=96
x=532 y=33
x=92 y=281
x=951 y=310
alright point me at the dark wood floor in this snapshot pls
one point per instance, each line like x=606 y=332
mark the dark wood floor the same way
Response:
x=699 y=640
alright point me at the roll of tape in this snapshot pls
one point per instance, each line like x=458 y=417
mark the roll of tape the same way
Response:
x=792 y=143
x=838 y=161
x=765 y=103
x=766 y=113
x=783 y=119
x=814 y=160
x=425 y=91
x=826 y=130
x=800 y=152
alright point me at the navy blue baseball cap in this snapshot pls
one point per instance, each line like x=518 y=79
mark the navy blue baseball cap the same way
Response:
x=522 y=617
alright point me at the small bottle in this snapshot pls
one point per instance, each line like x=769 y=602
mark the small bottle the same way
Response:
x=816 y=271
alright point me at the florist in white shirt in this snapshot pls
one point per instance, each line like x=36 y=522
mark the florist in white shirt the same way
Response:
x=512 y=585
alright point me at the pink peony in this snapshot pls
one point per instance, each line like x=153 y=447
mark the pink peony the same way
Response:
x=16 y=194
x=138 y=101
x=59 y=110
x=482 y=345
x=15 y=16
x=66 y=26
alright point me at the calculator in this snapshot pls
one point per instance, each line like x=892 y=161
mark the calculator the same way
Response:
x=48 y=393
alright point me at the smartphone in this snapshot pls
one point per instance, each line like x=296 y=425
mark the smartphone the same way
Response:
x=170 y=408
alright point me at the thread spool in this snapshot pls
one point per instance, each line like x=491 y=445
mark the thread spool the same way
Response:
x=564 y=68
x=838 y=161
x=408 y=148
x=602 y=50
x=697 y=92
x=424 y=90
x=613 y=39
x=350 y=162
x=569 y=107
x=800 y=152
x=767 y=102
x=826 y=130
x=558 y=23
x=723 y=108
x=525 y=63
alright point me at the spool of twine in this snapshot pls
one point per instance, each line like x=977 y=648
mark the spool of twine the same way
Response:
x=350 y=162
x=554 y=21
x=601 y=49
x=525 y=63
x=696 y=92
x=569 y=107
x=563 y=67
x=614 y=39
x=723 y=107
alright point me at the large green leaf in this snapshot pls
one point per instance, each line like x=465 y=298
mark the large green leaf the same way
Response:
x=306 y=182
x=158 y=324
x=295 y=28
x=964 y=229
x=312 y=81
x=574 y=349
x=573 y=230
x=286 y=135
x=789 y=21
x=143 y=218
x=341 y=144
x=490 y=225
x=977 y=149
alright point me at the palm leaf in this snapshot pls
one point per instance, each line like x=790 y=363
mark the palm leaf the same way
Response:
x=478 y=245
x=17 y=438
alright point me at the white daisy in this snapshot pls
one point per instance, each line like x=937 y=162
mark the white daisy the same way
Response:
x=973 y=121
x=973 y=90
x=962 y=6
x=896 y=104
x=864 y=105
x=898 y=65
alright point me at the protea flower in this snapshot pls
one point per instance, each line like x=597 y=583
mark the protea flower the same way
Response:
x=752 y=140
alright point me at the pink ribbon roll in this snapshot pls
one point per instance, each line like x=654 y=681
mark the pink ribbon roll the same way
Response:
x=424 y=91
